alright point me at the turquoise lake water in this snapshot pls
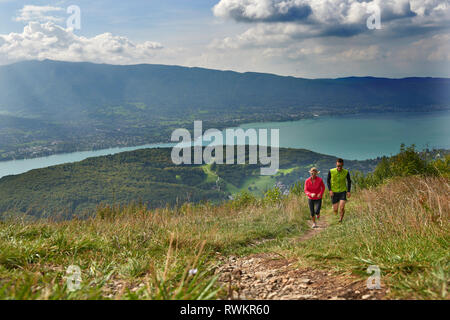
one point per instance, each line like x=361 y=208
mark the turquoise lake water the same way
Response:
x=358 y=137
x=365 y=136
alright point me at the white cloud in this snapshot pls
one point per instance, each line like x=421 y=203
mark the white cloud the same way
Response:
x=264 y=35
x=326 y=11
x=439 y=52
x=359 y=54
x=295 y=52
x=343 y=18
x=315 y=11
x=435 y=49
x=262 y=10
x=333 y=35
x=38 y=14
x=50 y=41
x=310 y=50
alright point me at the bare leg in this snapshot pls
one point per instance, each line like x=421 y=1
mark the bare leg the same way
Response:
x=342 y=207
x=335 y=208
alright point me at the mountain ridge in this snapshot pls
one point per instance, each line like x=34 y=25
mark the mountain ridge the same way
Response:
x=87 y=106
x=219 y=70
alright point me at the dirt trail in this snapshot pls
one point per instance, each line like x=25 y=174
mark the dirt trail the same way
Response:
x=271 y=276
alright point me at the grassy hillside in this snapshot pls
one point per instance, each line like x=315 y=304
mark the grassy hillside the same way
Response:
x=401 y=226
x=147 y=176
x=134 y=253
x=131 y=252
x=399 y=222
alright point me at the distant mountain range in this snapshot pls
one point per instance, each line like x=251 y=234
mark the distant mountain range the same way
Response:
x=60 y=88
x=50 y=106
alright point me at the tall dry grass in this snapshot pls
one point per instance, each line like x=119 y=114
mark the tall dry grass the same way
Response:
x=406 y=206
x=402 y=226
x=134 y=253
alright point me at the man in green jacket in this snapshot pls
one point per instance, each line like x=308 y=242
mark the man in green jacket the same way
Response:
x=339 y=184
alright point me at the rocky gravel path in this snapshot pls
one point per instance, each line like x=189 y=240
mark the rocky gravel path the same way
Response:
x=271 y=276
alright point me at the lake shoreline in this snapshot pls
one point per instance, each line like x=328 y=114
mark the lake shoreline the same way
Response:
x=321 y=145
x=239 y=124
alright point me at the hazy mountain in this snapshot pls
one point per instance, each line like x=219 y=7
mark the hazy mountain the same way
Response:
x=59 y=88
x=49 y=106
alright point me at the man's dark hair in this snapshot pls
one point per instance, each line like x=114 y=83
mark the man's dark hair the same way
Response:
x=340 y=161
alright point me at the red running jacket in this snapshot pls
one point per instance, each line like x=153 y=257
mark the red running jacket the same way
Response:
x=318 y=187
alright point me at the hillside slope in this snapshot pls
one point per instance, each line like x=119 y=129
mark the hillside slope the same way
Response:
x=148 y=176
x=401 y=226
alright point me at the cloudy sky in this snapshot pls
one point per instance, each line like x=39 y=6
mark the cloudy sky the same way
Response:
x=304 y=38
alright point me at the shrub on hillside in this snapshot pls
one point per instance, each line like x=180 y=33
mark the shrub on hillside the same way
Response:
x=408 y=162
x=273 y=196
x=244 y=199
x=297 y=189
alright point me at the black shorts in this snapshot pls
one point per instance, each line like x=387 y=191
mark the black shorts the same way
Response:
x=338 y=197
x=315 y=206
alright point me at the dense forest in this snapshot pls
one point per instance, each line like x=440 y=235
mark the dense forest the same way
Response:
x=150 y=177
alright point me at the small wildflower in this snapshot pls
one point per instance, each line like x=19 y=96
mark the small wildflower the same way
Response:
x=193 y=272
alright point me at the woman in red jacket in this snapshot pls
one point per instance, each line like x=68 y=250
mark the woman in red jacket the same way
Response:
x=314 y=189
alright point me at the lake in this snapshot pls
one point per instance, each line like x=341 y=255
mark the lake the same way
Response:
x=359 y=137
x=364 y=136
x=20 y=166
